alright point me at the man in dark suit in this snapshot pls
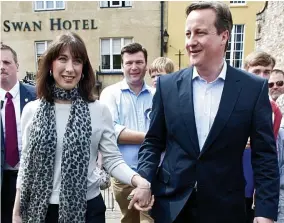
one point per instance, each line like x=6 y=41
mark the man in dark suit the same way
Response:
x=14 y=96
x=203 y=116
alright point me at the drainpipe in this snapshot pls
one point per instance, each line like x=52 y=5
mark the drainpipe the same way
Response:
x=162 y=28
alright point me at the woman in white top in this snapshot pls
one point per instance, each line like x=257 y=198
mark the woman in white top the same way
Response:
x=62 y=134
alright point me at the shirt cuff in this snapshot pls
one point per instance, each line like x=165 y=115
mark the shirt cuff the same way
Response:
x=118 y=129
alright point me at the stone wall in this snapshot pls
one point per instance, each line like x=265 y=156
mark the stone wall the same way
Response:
x=270 y=31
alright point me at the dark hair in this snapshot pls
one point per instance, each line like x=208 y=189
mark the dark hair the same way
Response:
x=278 y=71
x=6 y=47
x=132 y=48
x=224 y=19
x=259 y=58
x=78 y=49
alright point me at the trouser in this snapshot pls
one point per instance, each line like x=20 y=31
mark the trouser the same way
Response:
x=95 y=211
x=249 y=210
x=121 y=192
x=8 y=193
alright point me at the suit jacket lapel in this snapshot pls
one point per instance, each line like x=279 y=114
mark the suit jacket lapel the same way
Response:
x=25 y=96
x=184 y=85
x=231 y=90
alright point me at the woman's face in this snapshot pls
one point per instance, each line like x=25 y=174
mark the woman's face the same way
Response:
x=67 y=71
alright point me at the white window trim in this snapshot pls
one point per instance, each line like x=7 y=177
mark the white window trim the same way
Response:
x=114 y=6
x=232 y=50
x=111 y=53
x=48 y=9
x=35 y=47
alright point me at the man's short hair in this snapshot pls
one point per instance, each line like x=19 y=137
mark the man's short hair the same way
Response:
x=161 y=64
x=259 y=58
x=6 y=47
x=224 y=19
x=132 y=48
x=277 y=71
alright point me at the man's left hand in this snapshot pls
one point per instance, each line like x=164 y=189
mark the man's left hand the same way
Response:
x=262 y=220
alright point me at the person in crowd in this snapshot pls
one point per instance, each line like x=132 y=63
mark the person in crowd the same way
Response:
x=160 y=66
x=14 y=95
x=280 y=103
x=276 y=84
x=280 y=147
x=129 y=100
x=62 y=133
x=261 y=64
x=204 y=116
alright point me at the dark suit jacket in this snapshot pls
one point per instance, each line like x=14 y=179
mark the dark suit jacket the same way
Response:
x=244 y=111
x=27 y=94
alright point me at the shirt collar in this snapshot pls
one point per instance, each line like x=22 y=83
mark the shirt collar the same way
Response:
x=125 y=86
x=222 y=74
x=14 y=91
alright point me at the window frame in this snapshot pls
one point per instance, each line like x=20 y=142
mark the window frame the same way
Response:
x=115 y=6
x=231 y=60
x=48 y=9
x=110 y=5
x=238 y=3
x=46 y=43
x=122 y=43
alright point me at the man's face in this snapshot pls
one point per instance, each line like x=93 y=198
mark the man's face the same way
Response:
x=9 y=68
x=203 y=44
x=134 y=67
x=262 y=71
x=276 y=85
x=154 y=76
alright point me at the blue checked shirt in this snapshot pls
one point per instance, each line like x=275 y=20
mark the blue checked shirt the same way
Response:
x=128 y=111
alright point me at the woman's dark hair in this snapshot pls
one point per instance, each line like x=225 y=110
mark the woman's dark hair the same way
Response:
x=44 y=80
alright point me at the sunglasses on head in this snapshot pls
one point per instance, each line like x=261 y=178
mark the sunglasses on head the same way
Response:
x=278 y=84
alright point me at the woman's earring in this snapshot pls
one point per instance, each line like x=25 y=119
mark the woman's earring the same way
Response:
x=82 y=76
x=50 y=73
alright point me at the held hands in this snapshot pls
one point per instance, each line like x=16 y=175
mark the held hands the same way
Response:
x=141 y=197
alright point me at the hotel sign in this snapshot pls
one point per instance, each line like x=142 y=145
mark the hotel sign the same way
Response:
x=54 y=24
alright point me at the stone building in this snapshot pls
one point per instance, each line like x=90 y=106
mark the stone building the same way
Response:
x=105 y=26
x=269 y=34
x=242 y=40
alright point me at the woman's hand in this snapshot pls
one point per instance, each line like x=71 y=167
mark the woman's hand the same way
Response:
x=16 y=211
x=17 y=219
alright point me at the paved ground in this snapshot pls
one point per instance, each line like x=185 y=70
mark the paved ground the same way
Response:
x=113 y=212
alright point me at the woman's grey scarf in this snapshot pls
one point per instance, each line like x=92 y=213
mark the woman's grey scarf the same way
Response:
x=38 y=168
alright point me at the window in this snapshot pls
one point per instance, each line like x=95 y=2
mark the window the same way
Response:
x=235 y=50
x=40 y=48
x=115 y=4
x=110 y=53
x=48 y=5
x=237 y=2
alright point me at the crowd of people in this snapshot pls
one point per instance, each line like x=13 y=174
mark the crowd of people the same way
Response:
x=203 y=144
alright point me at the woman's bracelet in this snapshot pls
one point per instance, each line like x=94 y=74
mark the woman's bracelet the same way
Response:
x=146 y=188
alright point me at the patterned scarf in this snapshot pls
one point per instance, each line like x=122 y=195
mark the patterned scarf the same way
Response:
x=38 y=167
